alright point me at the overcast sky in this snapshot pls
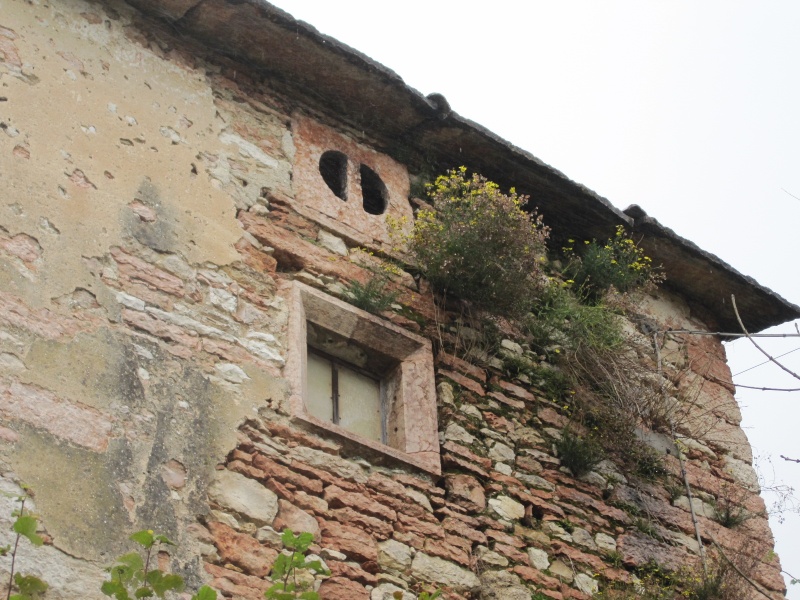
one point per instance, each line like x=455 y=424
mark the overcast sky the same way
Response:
x=687 y=108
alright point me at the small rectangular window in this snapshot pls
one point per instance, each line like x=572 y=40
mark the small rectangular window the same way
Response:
x=363 y=379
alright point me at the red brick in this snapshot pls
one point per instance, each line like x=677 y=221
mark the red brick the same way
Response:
x=339 y=498
x=461 y=365
x=134 y=269
x=271 y=469
x=504 y=538
x=412 y=525
x=352 y=572
x=466 y=453
x=242 y=550
x=447 y=551
x=284 y=432
x=163 y=330
x=420 y=484
x=463 y=381
x=537 y=577
x=503 y=399
x=342 y=588
x=515 y=390
x=352 y=541
x=377 y=527
x=237 y=584
x=458 y=527
x=511 y=553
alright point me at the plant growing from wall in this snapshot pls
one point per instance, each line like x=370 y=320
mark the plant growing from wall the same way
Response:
x=291 y=569
x=617 y=263
x=478 y=244
x=372 y=296
x=133 y=576
x=28 y=587
x=559 y=320
x=579 y=455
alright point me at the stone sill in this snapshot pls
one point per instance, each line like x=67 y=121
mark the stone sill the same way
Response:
x=428 y=462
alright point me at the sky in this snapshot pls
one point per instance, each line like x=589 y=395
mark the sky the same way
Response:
x=687 y=108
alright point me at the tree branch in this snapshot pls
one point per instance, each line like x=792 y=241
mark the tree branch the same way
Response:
x=760 y=349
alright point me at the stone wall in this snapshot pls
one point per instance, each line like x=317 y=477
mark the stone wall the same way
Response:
x=150 y=226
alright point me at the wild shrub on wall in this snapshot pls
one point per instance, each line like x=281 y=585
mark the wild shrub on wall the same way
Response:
x=478 y=244
x=617 y=263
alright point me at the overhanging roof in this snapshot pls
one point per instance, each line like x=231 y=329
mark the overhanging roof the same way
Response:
x=344 y=83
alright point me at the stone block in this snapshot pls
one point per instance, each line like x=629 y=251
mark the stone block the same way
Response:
x=245 y=496
x=442 y=572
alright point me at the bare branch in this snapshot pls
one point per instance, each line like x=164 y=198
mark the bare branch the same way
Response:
x=750 y=387
x=790 y=193
x=767 y=389
x=760 y=349
x=786 y=458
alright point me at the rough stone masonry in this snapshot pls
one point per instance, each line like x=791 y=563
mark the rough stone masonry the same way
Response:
x=162 y=204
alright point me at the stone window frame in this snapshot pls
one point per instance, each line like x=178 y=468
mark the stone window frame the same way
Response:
x=412 y=416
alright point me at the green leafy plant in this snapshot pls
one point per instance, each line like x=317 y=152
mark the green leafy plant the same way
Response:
x=618 y=262
x=133 y=577
x=566 y=525
x=291 y=562
x=478 y=244
x=28 y=587
x=558 y=320
x=728 y=511
x=371 y=296
x=579 y=455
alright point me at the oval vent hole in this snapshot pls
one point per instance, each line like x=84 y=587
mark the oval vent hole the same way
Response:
x=333 y=168
x=373 y=191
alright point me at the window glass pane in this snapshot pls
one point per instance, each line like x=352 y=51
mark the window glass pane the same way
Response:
x=319 y=401
x=359 y=404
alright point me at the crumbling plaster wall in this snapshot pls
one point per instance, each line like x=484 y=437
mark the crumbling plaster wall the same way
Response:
x=119 y=301
x=149 y=227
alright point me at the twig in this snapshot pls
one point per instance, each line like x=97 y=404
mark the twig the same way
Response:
x=729 y=334
x=691 y=504
x=790 y=193
x=794 y=460
x=14 y=553
x=760 y=349
x=766 y=389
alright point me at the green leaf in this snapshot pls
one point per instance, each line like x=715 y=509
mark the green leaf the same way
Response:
x=109 y=588
x=309 y=596
x=205 y=593
x=129 y=567
x=165 y=540
x=166 y=583
x=29 y=585
x=144 y=538
x=304 y=540
x=26 y=527
x=280 y=566
x=315 y=566
x=288 y=539
x=144 y=592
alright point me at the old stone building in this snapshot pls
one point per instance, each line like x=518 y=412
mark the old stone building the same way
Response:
x=189 y=188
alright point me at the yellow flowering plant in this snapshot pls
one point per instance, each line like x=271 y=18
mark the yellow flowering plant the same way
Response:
x=619 y=263
x=479 y=244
